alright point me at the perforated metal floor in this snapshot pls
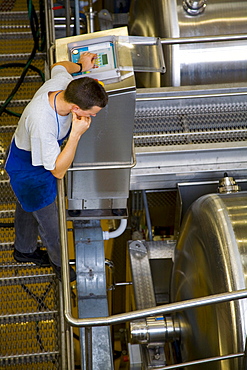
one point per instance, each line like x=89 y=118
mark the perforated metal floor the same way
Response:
x=29 y=303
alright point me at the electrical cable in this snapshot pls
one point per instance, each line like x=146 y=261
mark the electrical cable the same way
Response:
x=6 y=224
x=11 y=65
x=41 y=305
x=39 y=44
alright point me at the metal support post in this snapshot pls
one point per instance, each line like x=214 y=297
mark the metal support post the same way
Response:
x=96 y=347
x=88 y=348
x=77 y=17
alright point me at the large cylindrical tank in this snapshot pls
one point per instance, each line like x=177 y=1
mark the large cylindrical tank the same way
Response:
x=194 y=63
x=211 y=258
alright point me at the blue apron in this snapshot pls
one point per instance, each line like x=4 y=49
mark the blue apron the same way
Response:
x=34 y=186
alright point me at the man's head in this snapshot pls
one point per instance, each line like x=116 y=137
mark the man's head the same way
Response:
x=86 y=93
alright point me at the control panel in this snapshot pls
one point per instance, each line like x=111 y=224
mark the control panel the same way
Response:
x=105 y=68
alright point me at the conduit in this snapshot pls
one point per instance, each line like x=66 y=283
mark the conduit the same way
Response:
x=114 y=234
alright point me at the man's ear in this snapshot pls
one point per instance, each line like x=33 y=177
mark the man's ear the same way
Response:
x=74 y=108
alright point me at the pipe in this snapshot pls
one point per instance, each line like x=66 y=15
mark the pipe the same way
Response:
x=90 y=17
x=77 y=17
x=119 y=318
x=66 y=294
x=89 y=348
x=158 y=329
x=155 y=311
x=68 y=17
x=119 y=231
x=50 y=31
x=197 y=362
x=149 y=225
x=195 y=39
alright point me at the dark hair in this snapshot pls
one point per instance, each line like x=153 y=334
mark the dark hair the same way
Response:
x=86 y=93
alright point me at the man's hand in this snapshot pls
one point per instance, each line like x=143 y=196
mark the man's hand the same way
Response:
x=87 y=60
x=65 y=158
x=80 y=124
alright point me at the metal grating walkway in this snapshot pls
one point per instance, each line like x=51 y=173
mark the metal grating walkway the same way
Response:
x=29 y=303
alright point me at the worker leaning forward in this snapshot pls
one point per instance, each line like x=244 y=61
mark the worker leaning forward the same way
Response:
x=60 y=109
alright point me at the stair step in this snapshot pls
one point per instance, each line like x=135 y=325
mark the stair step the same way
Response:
x=26 y=279
x=20 y=36
x=10 y=213
x=21 y=42
x=40 y=357
x=14 y=27
x=24 y=92
x=27 y=317
x=17 y=103
x=9 y=120
x=15 y=16
x=20 y=57
x=6 y=193
x=14 y=79
x=7 y=128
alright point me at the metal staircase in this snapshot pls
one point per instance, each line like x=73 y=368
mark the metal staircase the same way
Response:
x=29 y=296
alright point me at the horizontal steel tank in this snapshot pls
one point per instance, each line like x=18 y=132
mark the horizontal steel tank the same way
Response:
x=211 y=258
x=200 y=62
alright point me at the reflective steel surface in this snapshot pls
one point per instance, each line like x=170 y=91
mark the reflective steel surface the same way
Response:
x=210 y=258
x=186 y=134
x=198 y=63
x=102 y=162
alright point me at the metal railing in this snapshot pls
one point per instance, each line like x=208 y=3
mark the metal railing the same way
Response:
x=126 y=317
x=201 y=39
x=163 y=309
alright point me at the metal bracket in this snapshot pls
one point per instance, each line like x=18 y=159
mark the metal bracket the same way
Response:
x=91 y=290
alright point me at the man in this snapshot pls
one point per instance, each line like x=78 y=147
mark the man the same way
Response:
x=35 y=159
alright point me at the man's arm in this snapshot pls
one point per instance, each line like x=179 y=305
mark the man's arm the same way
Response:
x=65 y=158
x=79 y=124
x=86 y=59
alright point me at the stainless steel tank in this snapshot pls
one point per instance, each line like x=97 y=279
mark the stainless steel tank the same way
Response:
x=211 y=258
x=213 y=62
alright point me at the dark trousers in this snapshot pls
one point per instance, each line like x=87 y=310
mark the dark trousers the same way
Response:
x=43 y=223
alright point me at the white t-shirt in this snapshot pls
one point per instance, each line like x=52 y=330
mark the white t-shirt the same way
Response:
x=38 y=130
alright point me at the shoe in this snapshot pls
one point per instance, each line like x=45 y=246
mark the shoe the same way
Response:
x=58 y=272
x=39 y=257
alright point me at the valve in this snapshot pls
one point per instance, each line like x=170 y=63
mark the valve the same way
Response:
x=228 y=185
x=194 y=7
x=154 y=330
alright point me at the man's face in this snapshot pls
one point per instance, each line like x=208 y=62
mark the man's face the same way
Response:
x=88 y=113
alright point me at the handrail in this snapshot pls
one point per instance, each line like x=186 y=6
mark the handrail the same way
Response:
x=198 y=39
x=154 y=311
x=108 y=166
x=124 y=317
x=198 y=362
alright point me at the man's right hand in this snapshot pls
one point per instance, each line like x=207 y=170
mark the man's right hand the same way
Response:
x=87 y=60
x=80 y=124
